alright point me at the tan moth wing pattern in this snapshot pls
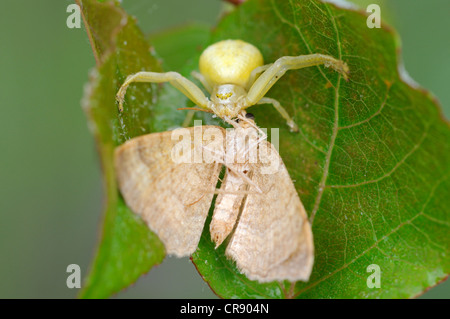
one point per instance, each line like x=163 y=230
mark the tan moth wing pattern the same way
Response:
x=273 y=238
x=172 y=198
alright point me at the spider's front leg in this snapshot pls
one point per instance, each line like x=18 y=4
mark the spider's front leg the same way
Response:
x=186 y=87
x=289 y=121
x=273 y=72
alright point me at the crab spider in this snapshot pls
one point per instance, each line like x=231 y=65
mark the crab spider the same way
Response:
x=233 y=73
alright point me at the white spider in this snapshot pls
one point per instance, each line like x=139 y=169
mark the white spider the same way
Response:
x=232 y=71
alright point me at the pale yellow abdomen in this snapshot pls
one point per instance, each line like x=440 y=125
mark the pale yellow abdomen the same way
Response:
x=229 y=62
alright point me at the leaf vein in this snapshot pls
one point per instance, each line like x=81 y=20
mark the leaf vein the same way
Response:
x=370 y=117
x=333 y=133
x=396 y=166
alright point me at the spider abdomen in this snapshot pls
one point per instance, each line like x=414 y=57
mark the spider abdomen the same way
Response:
x=229 y=62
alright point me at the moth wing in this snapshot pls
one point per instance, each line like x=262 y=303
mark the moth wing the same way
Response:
x=273 y=238
x=173 y=198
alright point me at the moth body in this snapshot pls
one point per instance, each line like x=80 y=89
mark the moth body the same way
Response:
x=240 y=153
x=227 y=207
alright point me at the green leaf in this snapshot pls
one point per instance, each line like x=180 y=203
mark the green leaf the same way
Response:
x=370 y=163
x=127 y=247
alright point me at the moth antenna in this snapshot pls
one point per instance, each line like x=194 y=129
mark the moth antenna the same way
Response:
x=245 y=178
x=229 y=121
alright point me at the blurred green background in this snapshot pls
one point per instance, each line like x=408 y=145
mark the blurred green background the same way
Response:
x=51 y=192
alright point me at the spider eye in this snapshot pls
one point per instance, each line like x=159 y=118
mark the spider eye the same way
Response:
x=250 y=116
x=224 y=96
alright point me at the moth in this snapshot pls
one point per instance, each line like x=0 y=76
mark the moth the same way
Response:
x=170 y=182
